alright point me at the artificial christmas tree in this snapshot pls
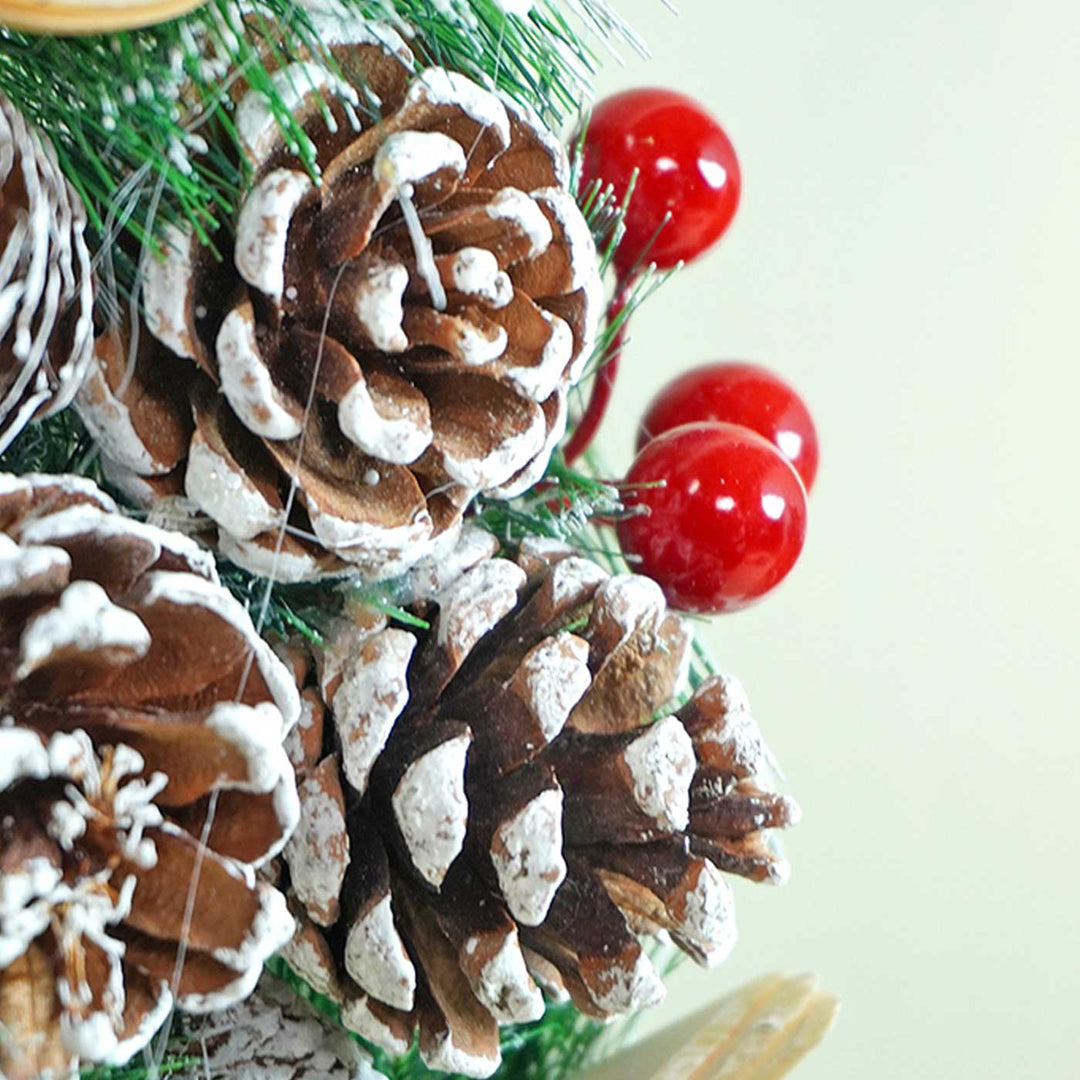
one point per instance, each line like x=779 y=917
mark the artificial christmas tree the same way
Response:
x=345 y=280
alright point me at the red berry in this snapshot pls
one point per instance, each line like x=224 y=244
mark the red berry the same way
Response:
x=686 y=164
x=727 y=525
x=738 y=394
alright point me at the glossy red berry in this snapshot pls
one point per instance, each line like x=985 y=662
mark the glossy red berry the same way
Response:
x=686 y=165
x=738 y=393
x=728 y=524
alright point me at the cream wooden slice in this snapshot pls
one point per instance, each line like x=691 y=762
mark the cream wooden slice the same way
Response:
x=760 y=1032
x=66 y=17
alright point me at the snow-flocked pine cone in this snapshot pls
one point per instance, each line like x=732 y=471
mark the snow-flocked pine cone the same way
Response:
x=489 y=808
x=139 y=713
x=46 y=292
x=274 y=1035
x=393 y=340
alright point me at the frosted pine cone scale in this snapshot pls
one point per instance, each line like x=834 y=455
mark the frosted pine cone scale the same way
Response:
x=46 y=331
x=502 y=805
x=392 y=340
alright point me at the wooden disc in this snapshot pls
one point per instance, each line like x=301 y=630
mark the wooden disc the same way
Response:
x=67 y=17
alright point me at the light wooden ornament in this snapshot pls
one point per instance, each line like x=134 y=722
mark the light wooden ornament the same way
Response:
x=69 y=17
x=760 y=1032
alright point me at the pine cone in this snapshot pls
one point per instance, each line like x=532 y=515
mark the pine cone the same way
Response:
x=392 y=341
x=46 y=294
x=275 y=1035
x=488 y=806
x=140 y=713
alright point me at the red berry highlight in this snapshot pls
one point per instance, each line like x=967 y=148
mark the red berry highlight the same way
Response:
x=728 y=524
x=738 y=393
x=686 y=165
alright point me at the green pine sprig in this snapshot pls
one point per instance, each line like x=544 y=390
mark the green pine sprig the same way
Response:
x=137 y=1070
x=58 y=444
x=560 y=507
x=142 y=120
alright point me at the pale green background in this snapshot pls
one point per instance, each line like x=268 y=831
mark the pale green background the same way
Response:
x=907 y=253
